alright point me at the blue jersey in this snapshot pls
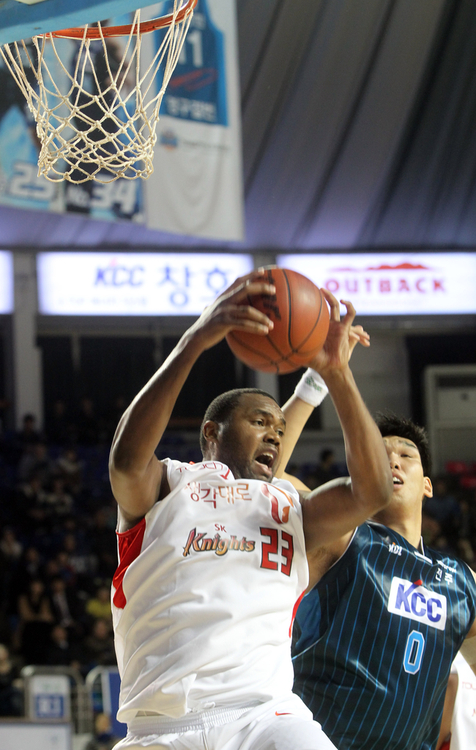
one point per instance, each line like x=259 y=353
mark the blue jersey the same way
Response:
x=375 y=640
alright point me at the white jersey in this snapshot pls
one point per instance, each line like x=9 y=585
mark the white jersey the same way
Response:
x=205 y=593
x=463 y=725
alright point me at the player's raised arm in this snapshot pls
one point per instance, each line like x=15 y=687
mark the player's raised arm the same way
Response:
x=137 y=476
x=334 y=510
x=310 y=392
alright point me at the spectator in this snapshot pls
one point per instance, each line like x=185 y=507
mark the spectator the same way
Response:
x=444 y=508
x=11 y=693
x=88 y=430
x=99 y=605
x=31 y=506
x=467 y=519
x=70 y=468
x=30 y=566
x=80 y=560
x=64 y=568
x=465 y=550
x=103 y=739
x=58 y=501
x=99 y=645
x=11 y=551
x=35 y=622
x=66 y=606
x=28 y=434
x=433 y=534
x=62 y=650
x=35 y=460
x=11 y=548
x=103 y=544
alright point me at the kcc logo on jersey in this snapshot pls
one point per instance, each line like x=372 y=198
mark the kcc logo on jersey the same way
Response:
x=415 y=602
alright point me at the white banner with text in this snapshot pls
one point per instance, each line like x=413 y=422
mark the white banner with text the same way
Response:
x=71 y=283
x=404 y=283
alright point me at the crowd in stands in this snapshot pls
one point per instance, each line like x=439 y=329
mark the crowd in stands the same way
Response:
x=58 y=549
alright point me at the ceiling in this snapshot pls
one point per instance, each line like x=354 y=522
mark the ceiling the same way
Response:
x=358 y=120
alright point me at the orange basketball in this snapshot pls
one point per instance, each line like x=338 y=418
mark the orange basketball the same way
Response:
x=301 y=321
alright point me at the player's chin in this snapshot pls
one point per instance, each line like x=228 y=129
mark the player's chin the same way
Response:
x=262 y=472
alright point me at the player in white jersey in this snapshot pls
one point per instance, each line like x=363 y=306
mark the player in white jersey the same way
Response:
x=219 y=529
x=463 y=724
x=458 y=726
x=213 y=555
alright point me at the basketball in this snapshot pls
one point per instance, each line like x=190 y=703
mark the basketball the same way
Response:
x=301 y=321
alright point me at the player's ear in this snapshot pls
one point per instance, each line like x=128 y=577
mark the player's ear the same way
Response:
x=210 y=432
x=428 y=487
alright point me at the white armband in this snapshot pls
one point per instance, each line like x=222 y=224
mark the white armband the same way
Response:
x=311 y=388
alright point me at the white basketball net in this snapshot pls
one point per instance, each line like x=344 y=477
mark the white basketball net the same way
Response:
x=95 y=126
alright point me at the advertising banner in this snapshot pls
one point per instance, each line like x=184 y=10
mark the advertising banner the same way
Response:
x=196 y=188
x=71 y=283
x=394 y=283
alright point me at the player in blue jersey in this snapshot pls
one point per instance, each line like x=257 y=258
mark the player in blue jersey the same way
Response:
x=384 y=617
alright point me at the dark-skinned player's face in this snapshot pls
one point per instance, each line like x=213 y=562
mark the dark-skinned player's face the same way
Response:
x=250 y=442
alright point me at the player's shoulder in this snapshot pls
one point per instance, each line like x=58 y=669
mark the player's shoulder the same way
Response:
x=444 y=556
x=456 y=572
x=375 y=539
x=452 y=563
x=286 y=486
x=371 y=532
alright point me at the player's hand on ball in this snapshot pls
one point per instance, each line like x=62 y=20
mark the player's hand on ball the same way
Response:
x=342 y=337
x=357 y=335
x=230 y=311
x=301 y=319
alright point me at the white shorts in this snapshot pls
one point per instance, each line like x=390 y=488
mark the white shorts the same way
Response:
x=276 y=725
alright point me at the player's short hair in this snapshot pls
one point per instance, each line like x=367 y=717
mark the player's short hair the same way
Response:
x=392 y=424
x=223 y=406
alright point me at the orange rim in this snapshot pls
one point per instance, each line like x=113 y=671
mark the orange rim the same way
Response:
x=142 y=28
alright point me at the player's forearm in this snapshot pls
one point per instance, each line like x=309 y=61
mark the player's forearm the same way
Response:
x=310 y=391
x=296 y=413
x=366 y=457
x=143 y=424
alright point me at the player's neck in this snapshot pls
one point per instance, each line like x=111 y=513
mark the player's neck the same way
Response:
x=409 y=531
x=408 y=526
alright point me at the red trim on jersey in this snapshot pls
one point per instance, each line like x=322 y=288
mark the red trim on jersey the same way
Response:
x=130 y=545
x=295 y=609
x=445 y=745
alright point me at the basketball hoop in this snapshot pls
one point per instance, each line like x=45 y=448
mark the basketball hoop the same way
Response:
x=99 y=123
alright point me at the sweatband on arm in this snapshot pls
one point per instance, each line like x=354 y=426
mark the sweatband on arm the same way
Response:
x=311 y=388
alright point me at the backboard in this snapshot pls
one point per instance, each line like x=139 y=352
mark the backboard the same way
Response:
x=21 y=19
